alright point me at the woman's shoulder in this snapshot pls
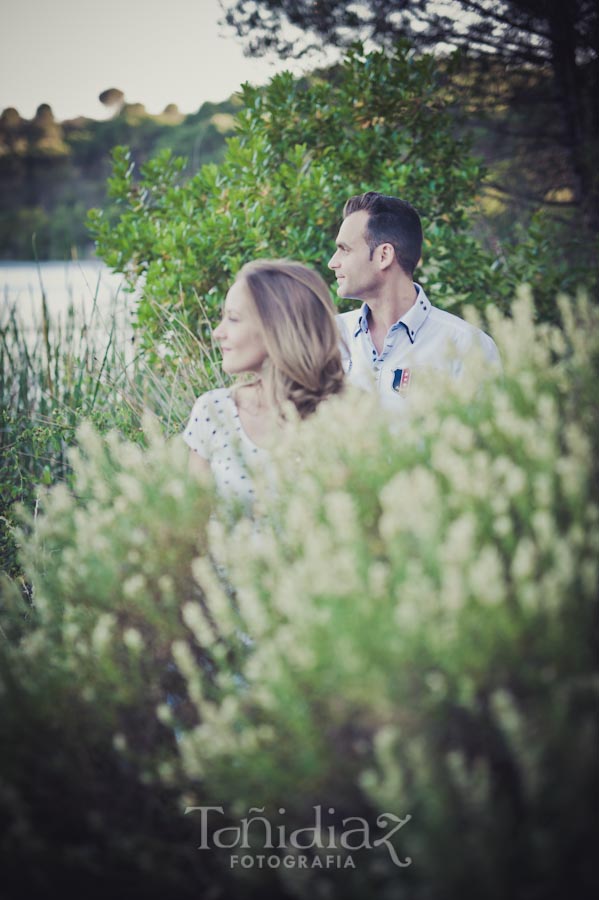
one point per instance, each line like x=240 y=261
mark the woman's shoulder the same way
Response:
x=213 y=398
x=211 y=416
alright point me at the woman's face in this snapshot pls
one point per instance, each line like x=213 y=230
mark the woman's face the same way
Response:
x=239 y=333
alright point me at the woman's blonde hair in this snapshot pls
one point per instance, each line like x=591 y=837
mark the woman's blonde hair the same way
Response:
x=297 y=317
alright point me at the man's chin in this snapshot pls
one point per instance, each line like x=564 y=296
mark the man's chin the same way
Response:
x=345 y=294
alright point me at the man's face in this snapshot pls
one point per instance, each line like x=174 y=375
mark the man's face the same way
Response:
x=358 y=276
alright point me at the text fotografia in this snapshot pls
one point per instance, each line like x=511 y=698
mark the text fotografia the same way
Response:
x=257 y=830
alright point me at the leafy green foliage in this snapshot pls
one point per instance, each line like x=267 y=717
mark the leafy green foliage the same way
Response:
x=553 y=257
x=381 y=121
x=559 y=40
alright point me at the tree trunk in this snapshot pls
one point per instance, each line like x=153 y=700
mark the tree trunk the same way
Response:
x=575 y=93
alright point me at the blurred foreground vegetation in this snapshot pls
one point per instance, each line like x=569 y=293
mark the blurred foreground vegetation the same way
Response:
x=407 y=631
x=409 y=628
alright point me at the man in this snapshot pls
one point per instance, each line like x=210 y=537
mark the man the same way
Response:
x=397 y=331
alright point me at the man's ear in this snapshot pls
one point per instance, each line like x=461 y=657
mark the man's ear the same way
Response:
x=386 y=255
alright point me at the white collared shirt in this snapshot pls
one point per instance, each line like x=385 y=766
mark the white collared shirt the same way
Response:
x=424 y=338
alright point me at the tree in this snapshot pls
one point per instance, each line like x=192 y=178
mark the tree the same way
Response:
x=554 y=35
x=46 y=134
x=112 y=98
x=11 y=131
x=380 y=121
x=172 y=113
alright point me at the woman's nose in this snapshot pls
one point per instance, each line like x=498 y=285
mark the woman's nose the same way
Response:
x=218 y=332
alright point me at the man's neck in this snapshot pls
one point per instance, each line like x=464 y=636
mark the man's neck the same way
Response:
x=388 y=307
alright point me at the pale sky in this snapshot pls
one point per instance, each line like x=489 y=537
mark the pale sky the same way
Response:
x=66 y=52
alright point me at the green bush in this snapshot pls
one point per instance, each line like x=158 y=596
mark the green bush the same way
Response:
x=380 y=121
x=83 y=667
x=386 y=121
x=406 y=629
x=552 y=255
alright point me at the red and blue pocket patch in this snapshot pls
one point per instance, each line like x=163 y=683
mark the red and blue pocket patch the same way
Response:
x=401 y=380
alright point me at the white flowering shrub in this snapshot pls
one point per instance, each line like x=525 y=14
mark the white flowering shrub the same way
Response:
x=405 y=628
x=87 y=677
x=419 y=602
x=110 y=566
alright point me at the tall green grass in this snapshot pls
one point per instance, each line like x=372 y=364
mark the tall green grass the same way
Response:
x=61 y=371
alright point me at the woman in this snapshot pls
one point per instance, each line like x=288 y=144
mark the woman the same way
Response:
x=279 y=326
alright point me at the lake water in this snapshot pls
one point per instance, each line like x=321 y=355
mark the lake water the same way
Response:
x=85 y=286
x=87 y=290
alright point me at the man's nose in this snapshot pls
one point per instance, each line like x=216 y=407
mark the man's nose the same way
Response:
x=332 y=263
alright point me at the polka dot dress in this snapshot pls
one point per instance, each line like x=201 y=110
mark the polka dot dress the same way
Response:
x=214 y=431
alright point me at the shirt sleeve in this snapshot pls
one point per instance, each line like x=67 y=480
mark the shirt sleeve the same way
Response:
x=465 y=341
x=199 y=429
x=344 y=342
x=490 y=352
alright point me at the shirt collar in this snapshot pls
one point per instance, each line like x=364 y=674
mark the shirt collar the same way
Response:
x=363 y=320
x=412 y=320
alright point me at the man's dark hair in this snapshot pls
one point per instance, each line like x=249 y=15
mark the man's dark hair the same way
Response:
x=390 y=221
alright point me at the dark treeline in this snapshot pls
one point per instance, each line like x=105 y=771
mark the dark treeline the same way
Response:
x=52 y=172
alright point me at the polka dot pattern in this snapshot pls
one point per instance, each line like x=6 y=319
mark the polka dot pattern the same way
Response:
x=214 y=431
